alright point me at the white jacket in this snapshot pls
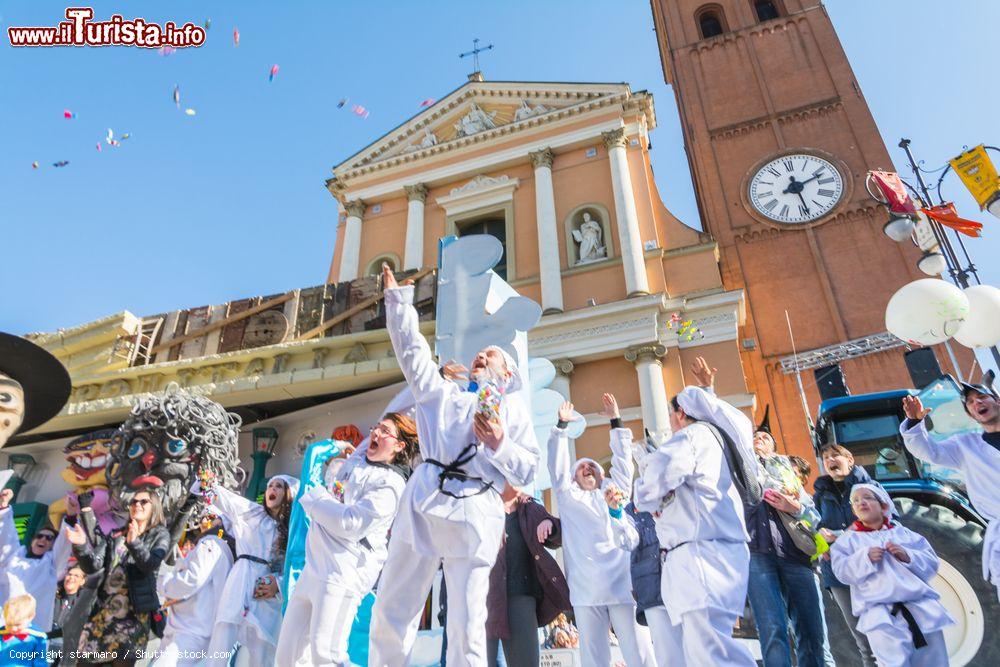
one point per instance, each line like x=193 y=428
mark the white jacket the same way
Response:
x=980 y=466
x=432 y=522
x=876 y=587
x=38 y=577
x=594 y=543
x=197 y=581
x=347 y=540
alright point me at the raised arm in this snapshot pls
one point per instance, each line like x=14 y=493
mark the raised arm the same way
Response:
x=232 y=505
x=624 y=531
x=89 y=549
x=412 y=351
x=667 y=469
x=61 y=550
x=9 y=544
x=147 y=554
x=622 y=467
x=352 y=522
x=560 y=471
x=195 y=571
x=918 y=440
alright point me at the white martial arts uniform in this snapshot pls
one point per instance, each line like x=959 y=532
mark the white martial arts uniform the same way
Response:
x=688 y=488
x=876 y=587
x=38 y=577
x=241 y=617
x=433 y=527
x=597 y=554
x=196 y=582
x=345 y=550
x=979 y=464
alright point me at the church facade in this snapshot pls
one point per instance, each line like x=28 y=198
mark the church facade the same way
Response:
x=560 y=173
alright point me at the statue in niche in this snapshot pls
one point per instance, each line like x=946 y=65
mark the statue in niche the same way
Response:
x=525 y=111
x=589 y=235
x=475 y=121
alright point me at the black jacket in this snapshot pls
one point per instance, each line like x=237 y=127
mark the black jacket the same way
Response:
x=645 y=565
x=833 y=502
x=142 y=562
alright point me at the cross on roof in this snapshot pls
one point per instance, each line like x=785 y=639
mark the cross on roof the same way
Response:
x=476 y=50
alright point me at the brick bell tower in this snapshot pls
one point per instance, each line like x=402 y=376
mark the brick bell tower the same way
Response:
x=779 y=139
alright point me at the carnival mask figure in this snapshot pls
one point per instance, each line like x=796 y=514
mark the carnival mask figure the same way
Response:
x=88 y=457
x=34 y=386
x=168 y=442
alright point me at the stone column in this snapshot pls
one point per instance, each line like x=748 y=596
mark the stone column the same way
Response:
x=564 y=368
x=351 y=255
x=548 y=232
x=628 y=219
x=413 y=253
x=652 y=390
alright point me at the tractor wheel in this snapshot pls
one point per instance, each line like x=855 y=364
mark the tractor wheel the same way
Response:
x=970 y=599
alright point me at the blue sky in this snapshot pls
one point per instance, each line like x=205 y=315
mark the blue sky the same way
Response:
x=230 y=203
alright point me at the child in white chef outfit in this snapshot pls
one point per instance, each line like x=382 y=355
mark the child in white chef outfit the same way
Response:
x=888 y=568
x=597 y=556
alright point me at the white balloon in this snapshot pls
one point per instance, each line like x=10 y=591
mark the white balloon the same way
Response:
x=982 y=327
x=926 y=311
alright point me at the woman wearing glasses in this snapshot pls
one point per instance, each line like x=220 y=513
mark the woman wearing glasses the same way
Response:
x=346 y=544
x=32 y=569
x=119 y=624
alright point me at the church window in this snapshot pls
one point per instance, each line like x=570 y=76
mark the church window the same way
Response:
x=375 y=266
x=710 y=22
x=494 y=224
x=766 y=10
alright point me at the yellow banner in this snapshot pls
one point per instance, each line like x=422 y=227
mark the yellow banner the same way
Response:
x=978 y=173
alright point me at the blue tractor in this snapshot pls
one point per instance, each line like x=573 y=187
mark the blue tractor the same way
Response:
x=931 y=500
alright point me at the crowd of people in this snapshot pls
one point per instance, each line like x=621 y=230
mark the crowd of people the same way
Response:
x=661 y=553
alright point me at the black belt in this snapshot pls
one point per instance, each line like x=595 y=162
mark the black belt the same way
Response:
x=253 y=559
x=454 y=471
x=919 y=641
x=664 y=552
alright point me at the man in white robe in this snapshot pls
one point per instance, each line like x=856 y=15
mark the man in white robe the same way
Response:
x=597 y=542
x=450 y=512
x=688 y=486
x=976 y=455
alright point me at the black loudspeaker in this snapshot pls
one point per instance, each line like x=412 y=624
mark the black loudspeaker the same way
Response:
x=923 y=366
x=830 y=382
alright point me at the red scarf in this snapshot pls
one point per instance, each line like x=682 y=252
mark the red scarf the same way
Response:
x=862 y=528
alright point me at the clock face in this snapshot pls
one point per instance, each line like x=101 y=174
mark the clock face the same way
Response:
x=796 y=188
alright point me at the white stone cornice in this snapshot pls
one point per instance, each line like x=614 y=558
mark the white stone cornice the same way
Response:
x=480 y=191
x=493 y=161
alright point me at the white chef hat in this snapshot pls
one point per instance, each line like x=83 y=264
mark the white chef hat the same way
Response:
x=292 y=482
x=879 y=493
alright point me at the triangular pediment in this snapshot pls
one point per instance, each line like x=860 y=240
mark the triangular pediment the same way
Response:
x=480 y=110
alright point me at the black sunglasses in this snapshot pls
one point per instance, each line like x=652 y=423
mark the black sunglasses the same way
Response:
x=141 y=502
x=48 y=537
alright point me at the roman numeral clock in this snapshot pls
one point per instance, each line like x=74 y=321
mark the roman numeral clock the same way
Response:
x=795 y=189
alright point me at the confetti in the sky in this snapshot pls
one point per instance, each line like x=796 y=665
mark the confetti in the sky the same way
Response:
x=360 y=110
x=98 y=146
x=67 y=114
x=236 y=36
x=190 y=112
x=60 y=163
x=166 y=50
x=110 y=137
x=177 y=96
x=274 y=70
x=208 y=24
x=342 y=102
x=429 y=101
x=34 y=165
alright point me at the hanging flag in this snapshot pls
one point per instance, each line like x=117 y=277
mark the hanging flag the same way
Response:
x=978 y=174
x=892 y=188
x=948 y=216
x=274 y=70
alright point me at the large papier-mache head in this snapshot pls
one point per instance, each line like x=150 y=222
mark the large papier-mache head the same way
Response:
x=164 y=443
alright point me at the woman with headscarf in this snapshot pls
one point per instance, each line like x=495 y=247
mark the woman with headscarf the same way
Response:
x=695 y=485
x=346 y=544
x=250 y=604
x=889 y=568
x=120 y=621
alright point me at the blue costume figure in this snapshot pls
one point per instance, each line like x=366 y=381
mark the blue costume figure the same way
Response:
x=21 y=643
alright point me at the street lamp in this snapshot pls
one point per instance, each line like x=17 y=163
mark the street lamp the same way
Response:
x=21 y=464
x=265 y=439
x=899 y=228
x=946 y=258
